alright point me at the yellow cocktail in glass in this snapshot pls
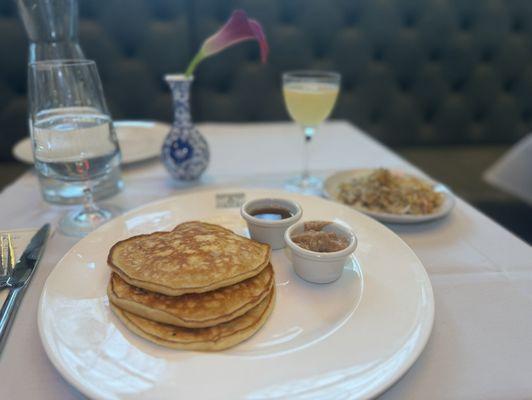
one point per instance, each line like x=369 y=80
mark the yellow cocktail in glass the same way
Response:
x=309 y=98
x=309 y=103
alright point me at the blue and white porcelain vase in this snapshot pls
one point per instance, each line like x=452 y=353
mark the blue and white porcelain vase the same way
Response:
x=185 y=151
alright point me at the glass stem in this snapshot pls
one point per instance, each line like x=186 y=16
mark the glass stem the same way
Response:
x=309 y=133
x=89 y=207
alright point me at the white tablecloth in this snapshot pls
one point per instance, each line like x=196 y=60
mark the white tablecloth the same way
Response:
x=481 y=344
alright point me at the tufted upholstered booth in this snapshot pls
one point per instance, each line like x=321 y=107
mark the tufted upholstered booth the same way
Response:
x=416 y=72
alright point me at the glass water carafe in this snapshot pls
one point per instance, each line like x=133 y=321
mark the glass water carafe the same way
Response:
x=52 y=29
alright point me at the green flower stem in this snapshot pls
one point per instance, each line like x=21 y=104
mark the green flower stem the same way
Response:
x=194 y=63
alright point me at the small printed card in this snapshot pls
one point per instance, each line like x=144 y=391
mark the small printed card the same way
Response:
x=230 y=200
x=20 y=238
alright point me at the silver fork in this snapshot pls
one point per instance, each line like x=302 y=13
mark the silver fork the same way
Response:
x=7 y=258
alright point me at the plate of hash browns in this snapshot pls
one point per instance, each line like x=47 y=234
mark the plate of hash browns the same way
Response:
x=390 y=195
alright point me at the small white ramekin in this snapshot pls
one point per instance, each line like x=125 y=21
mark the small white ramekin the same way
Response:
x=267 y=231
x=318 y=267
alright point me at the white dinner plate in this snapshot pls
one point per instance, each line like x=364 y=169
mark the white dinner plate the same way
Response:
x=139 y=140
x=331 y=188
x=349 y=339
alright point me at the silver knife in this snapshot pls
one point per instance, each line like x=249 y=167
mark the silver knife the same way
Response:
x=19 y=279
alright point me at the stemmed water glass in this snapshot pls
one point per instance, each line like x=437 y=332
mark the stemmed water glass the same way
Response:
x=72 y=134
x=310 y=97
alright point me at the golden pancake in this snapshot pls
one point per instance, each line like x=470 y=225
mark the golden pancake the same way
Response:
x=216 y=337
x=193 y=310
x=195 y=257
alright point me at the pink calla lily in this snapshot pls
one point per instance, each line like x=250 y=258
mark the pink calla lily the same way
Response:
x=237 y=29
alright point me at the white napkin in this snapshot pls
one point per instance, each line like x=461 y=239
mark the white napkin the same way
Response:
x=513 y=171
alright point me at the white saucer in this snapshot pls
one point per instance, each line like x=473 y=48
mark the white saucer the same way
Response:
x=139 y=141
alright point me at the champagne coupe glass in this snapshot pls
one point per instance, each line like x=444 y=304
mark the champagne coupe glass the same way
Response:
x=72 y=134
x=309 y=97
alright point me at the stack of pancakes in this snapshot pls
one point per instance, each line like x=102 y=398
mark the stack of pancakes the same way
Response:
x=197 y=287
